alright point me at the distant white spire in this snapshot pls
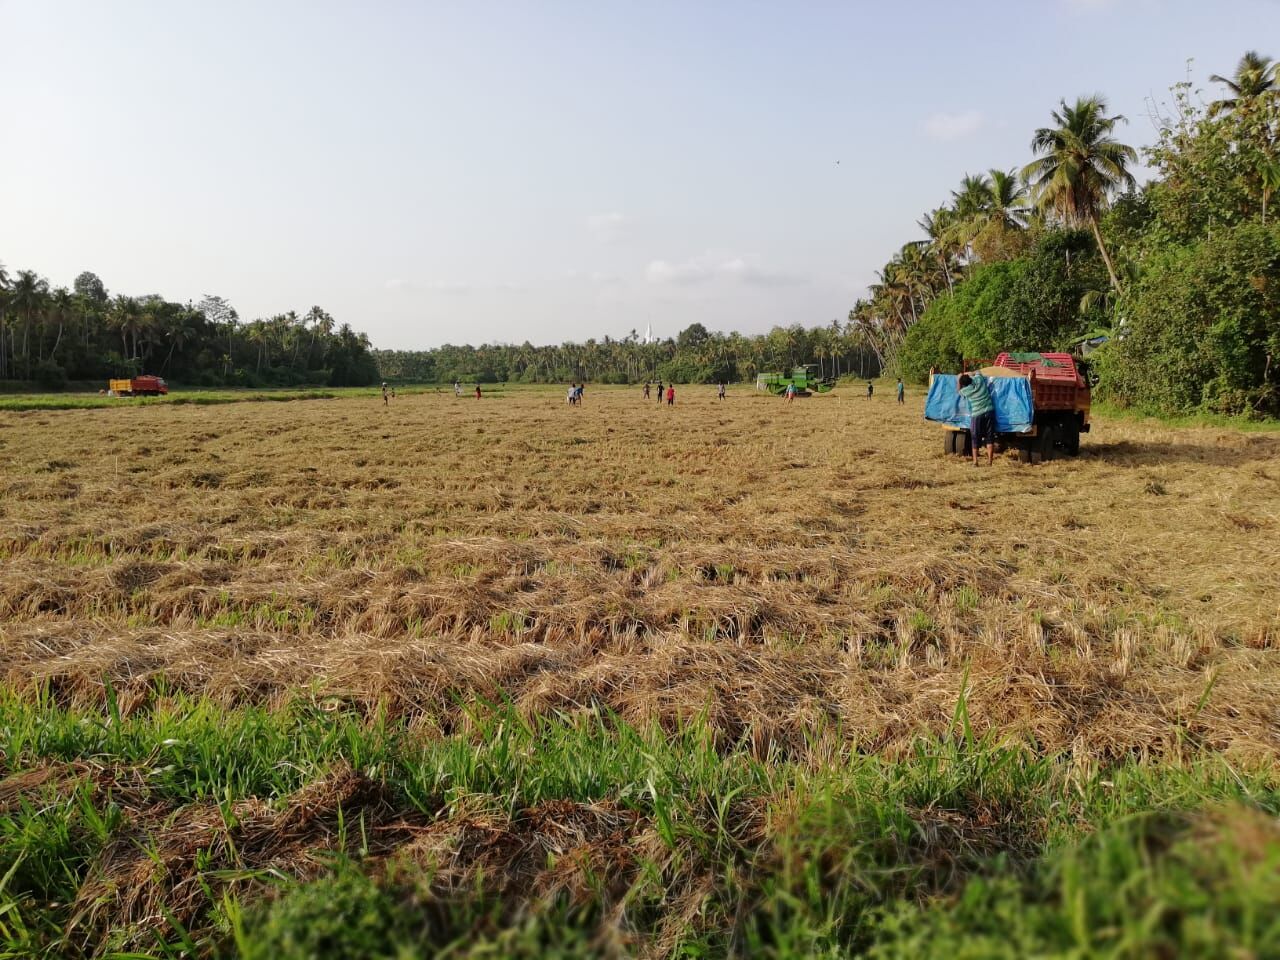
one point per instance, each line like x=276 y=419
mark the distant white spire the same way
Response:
x=648 y=333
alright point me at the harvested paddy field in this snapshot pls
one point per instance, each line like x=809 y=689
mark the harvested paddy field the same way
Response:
x=741 y=677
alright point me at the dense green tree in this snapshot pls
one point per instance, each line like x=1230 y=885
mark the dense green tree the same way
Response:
x=1080 y=165
x=86 y=334
x=1202 y=328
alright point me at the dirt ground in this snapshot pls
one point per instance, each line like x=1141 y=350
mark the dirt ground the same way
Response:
x=797 y=571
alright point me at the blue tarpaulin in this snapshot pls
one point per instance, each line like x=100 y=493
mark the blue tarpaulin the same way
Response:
x=1011 y=395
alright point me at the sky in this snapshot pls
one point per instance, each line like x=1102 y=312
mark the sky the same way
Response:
x=479 y=171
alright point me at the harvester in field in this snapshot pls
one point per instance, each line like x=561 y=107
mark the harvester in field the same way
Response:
x=805 y=379
x=1041 y=405
x=144 y=386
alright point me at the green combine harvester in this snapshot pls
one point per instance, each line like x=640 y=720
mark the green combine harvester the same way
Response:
x=804 y=377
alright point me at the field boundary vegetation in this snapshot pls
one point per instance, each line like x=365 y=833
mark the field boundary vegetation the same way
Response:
x=313 y=830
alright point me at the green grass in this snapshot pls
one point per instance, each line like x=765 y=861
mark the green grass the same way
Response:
x=962 y=848
x=178 y=396
x=1108 y=411
x=82 y=401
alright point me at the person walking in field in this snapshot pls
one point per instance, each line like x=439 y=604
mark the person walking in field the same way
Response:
x=457 y=388
x=477 y=391
x=870 y=389
x=982 y=415
x=720 y=392
x=671 y=395
x=385 y=402
x=659 y=392
x=578 y=393
x=573 y=394
x=902 y=392
x=646 y=389
x=790 y=392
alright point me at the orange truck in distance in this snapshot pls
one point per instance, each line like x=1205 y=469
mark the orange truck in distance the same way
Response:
x=145 y=386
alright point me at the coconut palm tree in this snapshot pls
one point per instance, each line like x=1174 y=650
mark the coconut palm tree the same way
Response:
x=1008 y=203
x=937 y=226
x=1270 y=177
x=28 y=295
x=973 y=199
x=61 y=309
x=123 y=317
x=4 y=304
x=178 y=330
x=1079 y=165
x=1256 y=75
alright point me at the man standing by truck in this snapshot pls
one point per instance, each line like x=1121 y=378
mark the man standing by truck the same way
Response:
x=982 y=415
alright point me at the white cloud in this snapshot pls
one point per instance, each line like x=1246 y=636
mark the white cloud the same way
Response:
x=711 y=266
x=435 y=286
x=607 y=227
x=954 y=126
x=757 y=275
x=662 y=271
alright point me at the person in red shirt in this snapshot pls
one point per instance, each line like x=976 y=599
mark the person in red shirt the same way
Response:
x=671 y=395
x=477 y=391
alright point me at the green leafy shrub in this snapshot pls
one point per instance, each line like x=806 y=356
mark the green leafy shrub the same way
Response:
x=1202 y=329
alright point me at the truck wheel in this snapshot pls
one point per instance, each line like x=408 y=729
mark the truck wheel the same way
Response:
x=1046 y=442
x=949 y=442
x=1024 y=451
x=1071 y=439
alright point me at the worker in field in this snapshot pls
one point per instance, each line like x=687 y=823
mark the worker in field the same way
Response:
x=671 y=395
x=573 y=394
x=871 y=388
x=790 y=392
x=982 y=415
x=659 y=392
x=385 y=402
x=477 y=391
x=902 y=392
x=720 y=392
x=646 y=389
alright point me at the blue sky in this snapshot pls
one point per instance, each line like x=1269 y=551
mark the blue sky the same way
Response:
x=477 y=171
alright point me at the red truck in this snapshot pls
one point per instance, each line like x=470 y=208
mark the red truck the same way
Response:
x=144 y=386
x=1060 y=397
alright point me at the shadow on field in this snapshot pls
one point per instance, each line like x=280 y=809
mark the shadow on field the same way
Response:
x=1249 y=449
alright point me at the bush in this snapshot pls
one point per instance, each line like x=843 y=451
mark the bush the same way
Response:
x=49 y=375
x=1202 y=328
x=1032 y=303
x=342 y=916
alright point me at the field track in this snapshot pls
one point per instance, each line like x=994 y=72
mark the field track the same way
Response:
x=782 y=569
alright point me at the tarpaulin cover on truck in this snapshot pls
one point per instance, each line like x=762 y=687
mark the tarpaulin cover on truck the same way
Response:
x=1011 y=396
x=1033 y=358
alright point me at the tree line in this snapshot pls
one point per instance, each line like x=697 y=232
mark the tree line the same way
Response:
x=49 y=335
x=1172 y=287
x=696 y=355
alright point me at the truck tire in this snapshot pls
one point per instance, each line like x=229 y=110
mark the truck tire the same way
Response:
x=1071 y=439
x=1024 y=451
x=949 y=445
x=1046 y=442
